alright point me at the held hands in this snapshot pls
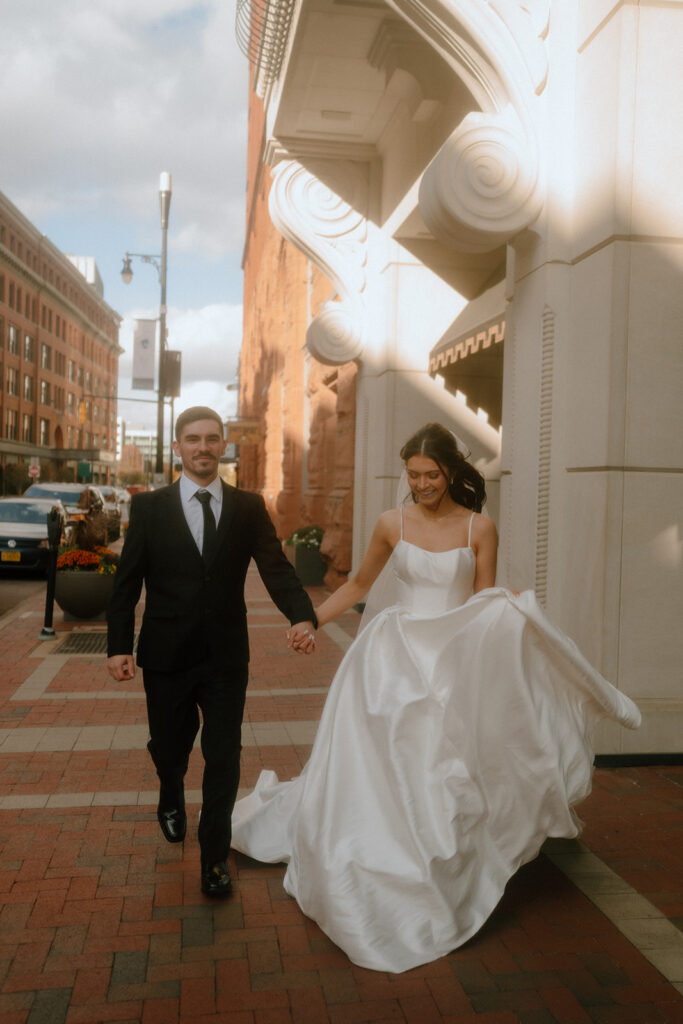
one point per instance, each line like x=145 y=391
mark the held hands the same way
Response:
x=121 y=666
x=301 y=638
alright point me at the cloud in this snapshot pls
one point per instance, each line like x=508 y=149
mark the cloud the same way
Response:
x=99 y=98
x=209 y=339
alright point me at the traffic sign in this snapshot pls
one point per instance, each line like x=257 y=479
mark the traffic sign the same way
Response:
x=34 y=471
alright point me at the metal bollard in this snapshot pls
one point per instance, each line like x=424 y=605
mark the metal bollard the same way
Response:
x=54 y=535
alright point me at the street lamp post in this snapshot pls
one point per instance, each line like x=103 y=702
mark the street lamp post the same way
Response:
x=160 y=264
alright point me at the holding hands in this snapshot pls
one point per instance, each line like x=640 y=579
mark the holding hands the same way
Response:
x=301 y=638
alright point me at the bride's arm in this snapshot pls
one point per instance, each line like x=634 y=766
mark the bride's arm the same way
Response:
x=485 y=544
x=355 y=589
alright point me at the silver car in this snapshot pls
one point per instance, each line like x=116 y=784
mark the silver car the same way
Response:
x=23 y=532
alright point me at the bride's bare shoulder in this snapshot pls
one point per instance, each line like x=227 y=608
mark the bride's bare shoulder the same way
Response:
x=483 y=527
x=388 y=526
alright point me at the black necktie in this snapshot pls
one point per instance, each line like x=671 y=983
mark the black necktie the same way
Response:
x=210 y=533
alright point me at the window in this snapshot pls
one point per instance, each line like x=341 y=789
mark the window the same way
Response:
x=11 y=425
x=96 y=414
x=88 y=382
x=71 y=402
x=44 y=392
x=29 y=348
x=27 y=427
x=12 y=340
x=72 y=371
x=44 y=435
x=12 y=381
x=28 y=387
x=45 y=356
x=2 y=329
x=79 y=376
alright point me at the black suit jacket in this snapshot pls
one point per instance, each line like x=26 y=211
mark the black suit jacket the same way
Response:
x=194 y=611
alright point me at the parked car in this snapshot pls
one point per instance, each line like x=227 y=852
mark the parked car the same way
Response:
x=23 y=531
x=83 y=502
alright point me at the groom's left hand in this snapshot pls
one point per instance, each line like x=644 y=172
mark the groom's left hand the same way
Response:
x=301 y=637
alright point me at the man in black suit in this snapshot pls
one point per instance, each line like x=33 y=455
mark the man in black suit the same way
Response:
x=191 y=544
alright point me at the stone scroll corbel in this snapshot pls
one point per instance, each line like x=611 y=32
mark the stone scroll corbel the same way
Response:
x=320 y=209
x=482 y=187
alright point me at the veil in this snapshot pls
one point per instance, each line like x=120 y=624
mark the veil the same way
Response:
x=383 y=592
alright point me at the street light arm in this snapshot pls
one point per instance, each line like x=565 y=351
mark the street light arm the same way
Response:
x=127 y=270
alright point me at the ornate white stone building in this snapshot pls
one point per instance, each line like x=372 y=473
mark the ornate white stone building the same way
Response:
x=492 y=188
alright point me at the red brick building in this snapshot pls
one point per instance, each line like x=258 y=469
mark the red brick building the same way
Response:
x=59 y=354
x=302 y=460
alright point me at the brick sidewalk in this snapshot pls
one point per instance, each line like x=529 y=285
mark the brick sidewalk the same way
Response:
x=101 y=920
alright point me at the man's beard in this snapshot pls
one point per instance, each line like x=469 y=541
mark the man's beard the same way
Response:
x=205 y=467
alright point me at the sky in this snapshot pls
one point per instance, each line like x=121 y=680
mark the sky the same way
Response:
x=98 y=98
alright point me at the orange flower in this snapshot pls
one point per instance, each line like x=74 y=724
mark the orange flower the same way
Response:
x=101 y=560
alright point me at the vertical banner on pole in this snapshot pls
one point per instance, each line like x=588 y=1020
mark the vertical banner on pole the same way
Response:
x=144 y=347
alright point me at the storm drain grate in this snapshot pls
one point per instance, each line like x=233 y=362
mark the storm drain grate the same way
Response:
x=85 y=642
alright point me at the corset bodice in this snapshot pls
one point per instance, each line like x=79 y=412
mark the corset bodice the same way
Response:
x=432 y=582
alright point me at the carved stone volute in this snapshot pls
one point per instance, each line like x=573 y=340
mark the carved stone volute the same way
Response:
x=485 y=185
x=481 y=188
x=320 y=208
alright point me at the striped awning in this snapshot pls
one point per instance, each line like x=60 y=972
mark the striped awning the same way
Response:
x=479 y=327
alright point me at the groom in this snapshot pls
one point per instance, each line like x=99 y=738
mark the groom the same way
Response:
x=191 y=544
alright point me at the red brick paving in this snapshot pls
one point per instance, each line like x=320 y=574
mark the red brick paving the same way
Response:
x=100 y=920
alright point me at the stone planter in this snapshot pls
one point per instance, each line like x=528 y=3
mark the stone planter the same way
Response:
x=309 y=565
x=83 y=595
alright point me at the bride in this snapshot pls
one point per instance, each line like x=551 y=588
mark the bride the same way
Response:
x=454 y=740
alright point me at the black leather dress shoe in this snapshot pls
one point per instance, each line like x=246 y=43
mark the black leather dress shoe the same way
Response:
x=173 y=824
x=216 y=880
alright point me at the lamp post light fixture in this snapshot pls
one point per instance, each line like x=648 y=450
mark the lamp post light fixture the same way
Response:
x=127 y=274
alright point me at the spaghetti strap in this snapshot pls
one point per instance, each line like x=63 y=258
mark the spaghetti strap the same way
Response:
x=469 y=533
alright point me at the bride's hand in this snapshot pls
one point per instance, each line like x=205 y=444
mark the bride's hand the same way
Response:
x=301 y=638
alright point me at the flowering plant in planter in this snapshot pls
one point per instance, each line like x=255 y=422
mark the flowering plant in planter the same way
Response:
x=98 y=560
x=306 y=537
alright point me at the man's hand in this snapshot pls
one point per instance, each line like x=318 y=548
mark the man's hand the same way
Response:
x=301 y=637
x=121 y=666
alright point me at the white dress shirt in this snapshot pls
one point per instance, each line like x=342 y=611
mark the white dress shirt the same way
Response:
x=192 y=508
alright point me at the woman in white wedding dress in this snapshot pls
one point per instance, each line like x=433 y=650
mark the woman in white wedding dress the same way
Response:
x=454 y=740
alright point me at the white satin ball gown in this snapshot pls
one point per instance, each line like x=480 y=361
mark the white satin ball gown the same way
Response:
x=454 y=740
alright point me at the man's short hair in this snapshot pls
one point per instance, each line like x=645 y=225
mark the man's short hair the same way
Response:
x=196 y=412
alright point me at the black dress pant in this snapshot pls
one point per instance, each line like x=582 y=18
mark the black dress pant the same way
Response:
x=174 y=700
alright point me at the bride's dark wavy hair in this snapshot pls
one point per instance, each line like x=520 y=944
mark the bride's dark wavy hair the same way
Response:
x=466 y=484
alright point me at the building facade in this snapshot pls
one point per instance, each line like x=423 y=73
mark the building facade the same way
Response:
x=59 y=355
x=491 y=190
x=301 y=454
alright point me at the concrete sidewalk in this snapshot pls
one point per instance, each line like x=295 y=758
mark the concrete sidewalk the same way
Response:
x=101 y=920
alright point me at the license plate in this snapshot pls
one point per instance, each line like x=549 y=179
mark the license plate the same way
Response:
x=11 y=556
